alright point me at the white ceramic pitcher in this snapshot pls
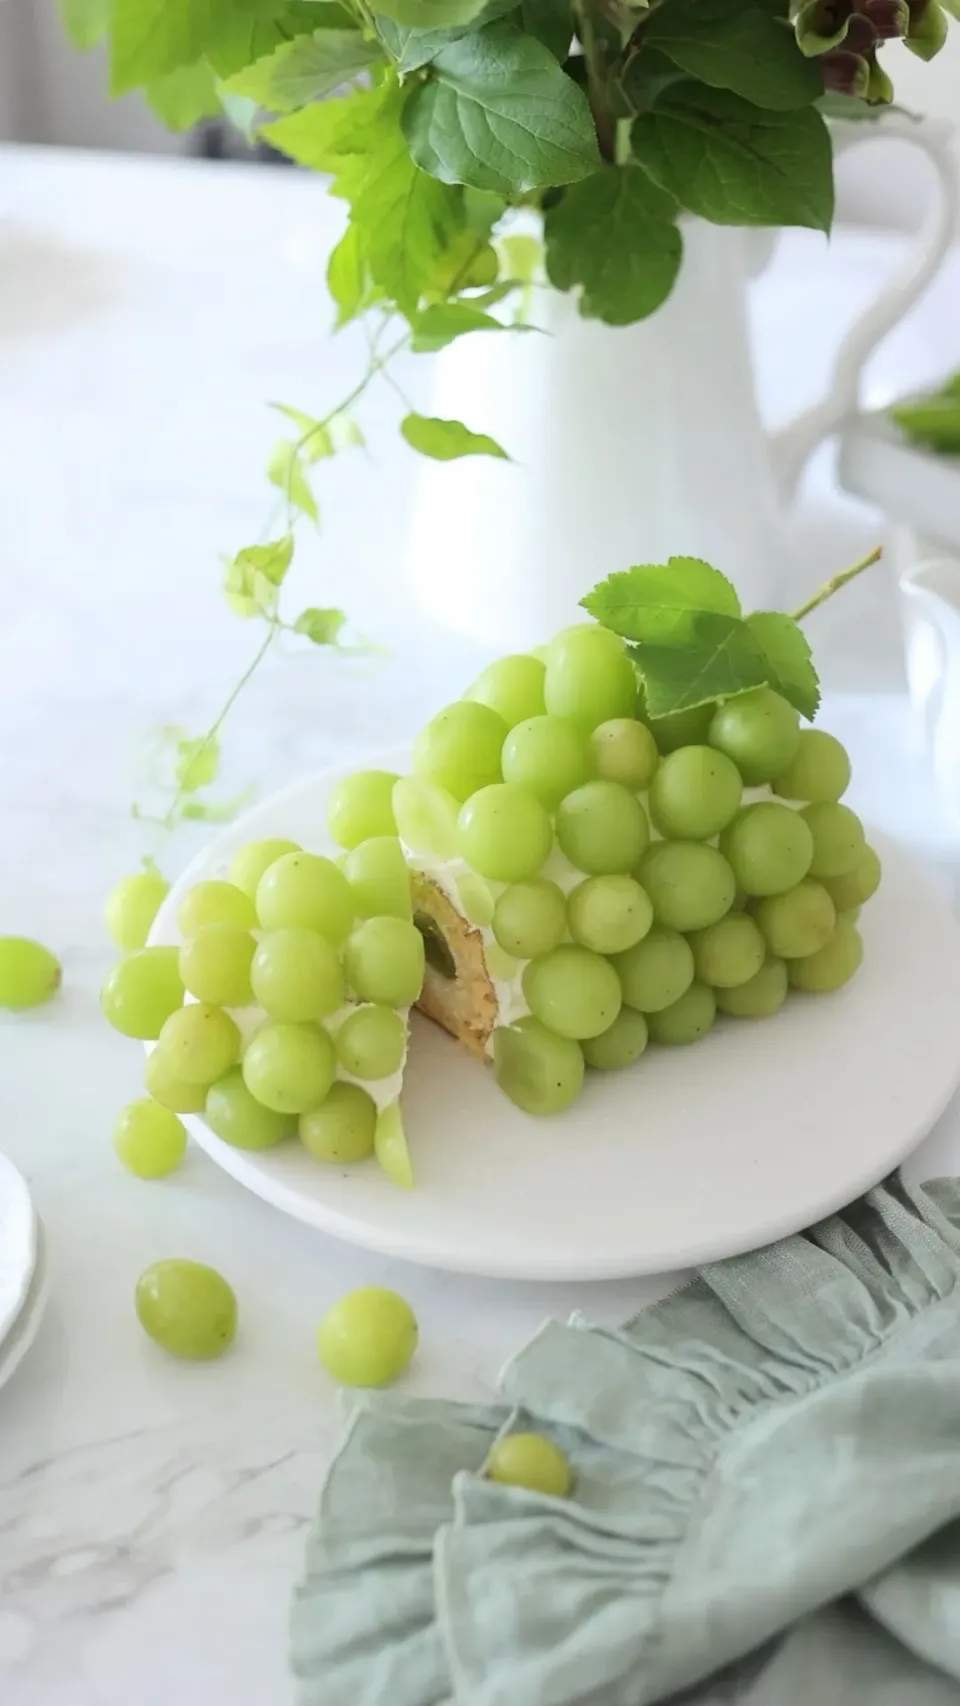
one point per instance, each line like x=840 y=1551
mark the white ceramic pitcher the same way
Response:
x=931 y=608
x=631 y=444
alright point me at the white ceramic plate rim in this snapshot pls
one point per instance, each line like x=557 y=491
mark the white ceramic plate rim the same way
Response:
x=27 y=1325
x=18 y=1244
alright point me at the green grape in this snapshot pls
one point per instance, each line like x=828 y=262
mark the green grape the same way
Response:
x=609 y=914
x=368 y=1338
x=620 y=1045
x=187 y=1308
x=513 y=687
x=539 y=1071
x=149 y=1140
x=426 y=817
x=289 y=1068
x=142 y=991
x=361 y=806
x=199 y=1043
x=855 y=887
x=249 y=863
x=529 y=1460
x=831 y=966
x=602 y=828
x=530 y=918
x=759 y=731
x=171 y=1092
x=301 y=891
x=656 y=972
x=677 y=728
x=695 y=793
x=572 y=991
x=729 y=952
x=215 y=903
x=838 y=842
x=760 y=997
x=589 y=679
x=344 y=1126
x=379 y=880
x=476 y=899
x=215 y=965
x=686 y=1020
x=371 y=1042
x=239 y=1119
x=547 y=756
x=798 y=922
x=131 y=907
x=819 y=769
x=505 y=833
x=460 y=748
x=691 y=885
x=384 y=961
x=623 y=750
x=769 y=848
x=390 y=1147
x=30 y=974
x=296 y=975
x=598 y=636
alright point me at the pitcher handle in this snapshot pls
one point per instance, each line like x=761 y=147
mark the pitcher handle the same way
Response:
x=792 y=446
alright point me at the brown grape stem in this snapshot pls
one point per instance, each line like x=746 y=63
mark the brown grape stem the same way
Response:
x=837 y=581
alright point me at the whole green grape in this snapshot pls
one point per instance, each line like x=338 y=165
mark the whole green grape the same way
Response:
x=798 y=922
x=142 y=991
x=530 y=918
x=602 y=828
x=656 y=972
x=198 y=1043
x=623 y=750
x=620 y=1045
x=760 y=997
x=343 y=1128
x=504 y=833
x=838 y=839
x=289 y=1068
x=677 y=728
x=390 y=1147
x=170 y=1092
x=296 y=975
x=215 y=902
x=588 y=679
x=302 y=891
x=379 y=879
x=250 y=862
x=686 y=1020
x=691 y=885
x=384 y=961
x=831 y=966
x=368 y=1338
x=131 y=907
x=855 y=887
x=187 y=1308
x=542 y=1073
x=529 y=1460
x=548 y=756
x=149 y=1140
x=427 y=817
x=29 y=973
x=371 y=1042
x=360 y=806
x=819 y=769
x=460 y=748
x=513 y=687
x=572 y=991
x=759 y=731
x=695 y=793
x=609 y=914
x=769 y=847
x=215 y=965
x=728 y=953
x=239 y=1119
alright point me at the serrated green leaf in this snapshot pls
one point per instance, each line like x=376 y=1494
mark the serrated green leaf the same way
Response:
x=346 y=276
x=734 y=46
x=411 y=49
x=733 y=164
x=431 y=14
x=322 y=627
x=652 y=601
x=614 y=235
x=447 y=441
x=182 y=98
x=435 y=328
x=718 y=659
x=151 y=37
x=324 y=136
x=499 y=114
x=305 y=69
x=285 y=470
x=790 y=664
x=315 y=440
x=551 y=21
x=198 y=762
x=85 y=21
x=243 y=39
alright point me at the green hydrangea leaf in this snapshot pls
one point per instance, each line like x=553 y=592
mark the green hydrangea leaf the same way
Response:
x=615 y=236
x=322 y=627
x=551 y=21
x=447 y=441
x=245 y=38
x=305 y=69
x=431 y=14
x=182 y=98
x=789 y=661
x=734 y=46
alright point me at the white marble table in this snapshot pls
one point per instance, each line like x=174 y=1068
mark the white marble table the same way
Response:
x=151 y=1515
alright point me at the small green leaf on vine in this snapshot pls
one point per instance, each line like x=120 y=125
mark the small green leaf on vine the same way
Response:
x=322 y=627
x=285 y=470
x=315 y=440
x=447 y=441
x=198 y=762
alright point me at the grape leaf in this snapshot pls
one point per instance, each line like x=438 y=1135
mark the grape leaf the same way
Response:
x=551 y=21
x=85 y=21
x=182 y=98
x=286 y=471
x=790 y=664
x=447 y=441
x=244 y=39
x=615 y=235
x=736 y=165
x=435 y=328
x=305 y=69
x=499 y=114
x=719 y=659
x=652 y=600
x=732 y=46
x=320 y=626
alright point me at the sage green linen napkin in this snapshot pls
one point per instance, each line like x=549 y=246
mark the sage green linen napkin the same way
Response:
x=767 y=1476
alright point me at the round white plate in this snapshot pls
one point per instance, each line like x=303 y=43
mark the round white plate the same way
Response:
x=18 y=1244
x=693 y=1154
x=27 y=1325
